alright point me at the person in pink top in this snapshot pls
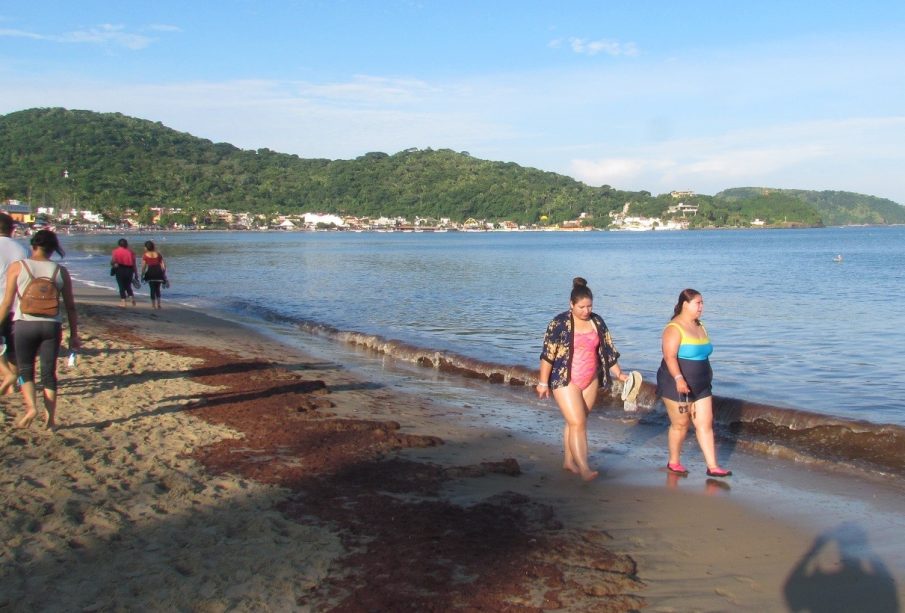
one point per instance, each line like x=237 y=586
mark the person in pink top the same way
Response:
x=578 y=359
x=122 y=261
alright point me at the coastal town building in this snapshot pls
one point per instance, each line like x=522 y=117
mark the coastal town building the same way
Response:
x=161 y=217
x=683 y=208
x=18 y=211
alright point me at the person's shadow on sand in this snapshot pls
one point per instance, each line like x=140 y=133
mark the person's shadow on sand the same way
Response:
x=852 y=578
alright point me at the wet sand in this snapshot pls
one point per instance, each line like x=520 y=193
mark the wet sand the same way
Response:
x=201 y=466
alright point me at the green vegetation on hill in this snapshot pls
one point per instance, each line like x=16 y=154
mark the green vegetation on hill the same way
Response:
x=108 y=162
x=834 y=208
x=116 y=162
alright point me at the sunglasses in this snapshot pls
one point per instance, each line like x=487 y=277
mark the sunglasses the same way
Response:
x=685 y=405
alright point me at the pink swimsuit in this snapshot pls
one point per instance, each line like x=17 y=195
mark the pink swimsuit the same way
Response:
x=584 y=358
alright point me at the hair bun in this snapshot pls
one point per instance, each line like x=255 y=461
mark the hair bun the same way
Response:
x=579 y=282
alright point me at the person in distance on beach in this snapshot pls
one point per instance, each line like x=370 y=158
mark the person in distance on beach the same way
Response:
x=39 y=336
x=122 y=260
x=577 y=360
x=684 y=382
x=10 y=251
x=153 y=272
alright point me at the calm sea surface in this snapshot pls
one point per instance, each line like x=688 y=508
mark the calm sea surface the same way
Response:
x=791 y=327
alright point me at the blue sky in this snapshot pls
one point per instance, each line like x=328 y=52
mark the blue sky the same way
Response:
x=649 y=96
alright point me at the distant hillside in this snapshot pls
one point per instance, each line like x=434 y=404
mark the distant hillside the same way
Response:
x=834 y=208
x=116 y=162
x=109 y=162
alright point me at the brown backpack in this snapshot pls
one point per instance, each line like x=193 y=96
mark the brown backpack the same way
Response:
x=41 y=296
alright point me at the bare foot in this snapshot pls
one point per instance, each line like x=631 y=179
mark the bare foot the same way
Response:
x=26 y=420
x=49 y=421
x=590 y=475
x=571 y=467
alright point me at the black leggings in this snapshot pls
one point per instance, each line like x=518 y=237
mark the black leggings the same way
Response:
x=155 y=289
x=34 y=339
x=124 y=275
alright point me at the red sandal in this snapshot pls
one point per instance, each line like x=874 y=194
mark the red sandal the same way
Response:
x=718 y=472
x=676 y=468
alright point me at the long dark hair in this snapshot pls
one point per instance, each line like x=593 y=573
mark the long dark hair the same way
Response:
x=47 y=241
x=580 y=290
x=686 y=295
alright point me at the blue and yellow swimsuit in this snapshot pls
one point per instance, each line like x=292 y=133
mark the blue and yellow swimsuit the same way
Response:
x=694 y=364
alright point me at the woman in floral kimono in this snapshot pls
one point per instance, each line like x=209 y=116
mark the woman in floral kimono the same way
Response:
x=578 y=359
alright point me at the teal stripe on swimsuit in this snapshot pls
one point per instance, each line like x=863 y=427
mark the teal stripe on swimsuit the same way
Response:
x=697 y=349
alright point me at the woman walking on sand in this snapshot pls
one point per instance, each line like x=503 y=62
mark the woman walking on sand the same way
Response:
x=684 y=382
x=153 y=272
x=122 y=260
x=39 y=321
x=577 y=360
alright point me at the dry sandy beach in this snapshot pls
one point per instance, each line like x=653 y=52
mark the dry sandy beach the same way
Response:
x=199 y=466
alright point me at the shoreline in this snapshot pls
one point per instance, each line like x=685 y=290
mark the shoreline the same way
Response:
x=67 y=231
x=697 y=546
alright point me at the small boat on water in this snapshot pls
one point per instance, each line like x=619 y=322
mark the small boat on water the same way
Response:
x=838 y=258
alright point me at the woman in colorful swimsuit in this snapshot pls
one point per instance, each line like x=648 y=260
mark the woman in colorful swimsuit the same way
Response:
x=684 y=382
x=577 y=360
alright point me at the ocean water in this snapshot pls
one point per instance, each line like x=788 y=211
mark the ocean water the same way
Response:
x=796 y=333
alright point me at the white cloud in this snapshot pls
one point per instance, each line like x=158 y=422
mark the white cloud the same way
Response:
x=108 y=34
x=331 y=121
x=647 y=127
x=163 y=27
x=104 y=34
x=370 y=91
x=856 y=154
x=10 y=33
x=610 y=171
x=610 y=47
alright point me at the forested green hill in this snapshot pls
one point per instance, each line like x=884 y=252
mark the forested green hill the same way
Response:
x=834 y=208
x=109 y=162
x=117 y=162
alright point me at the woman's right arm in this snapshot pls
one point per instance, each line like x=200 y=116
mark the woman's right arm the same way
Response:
x=543 y=379
x=670 y=345
x=547 y=355
x=69 y=303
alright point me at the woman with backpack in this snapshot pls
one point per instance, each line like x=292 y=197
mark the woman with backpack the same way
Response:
x=39 y=284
